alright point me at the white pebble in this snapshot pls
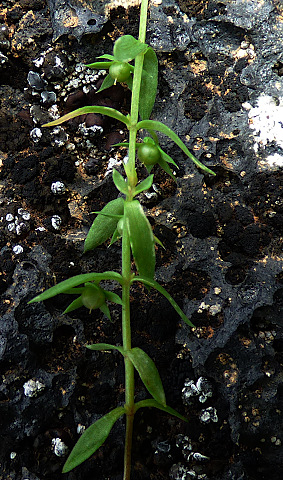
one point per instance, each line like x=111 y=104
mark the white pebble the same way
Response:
x=56 y=222
x=33 y=387
x=17 y=249
x=58 y=188
x=36 y=134
x=59 y=447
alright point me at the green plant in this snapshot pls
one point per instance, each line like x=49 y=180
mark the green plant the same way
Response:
x=124 y=218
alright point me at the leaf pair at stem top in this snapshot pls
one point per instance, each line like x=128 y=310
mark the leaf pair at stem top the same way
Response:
x=125 y=50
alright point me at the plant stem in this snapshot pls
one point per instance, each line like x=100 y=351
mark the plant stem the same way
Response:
x=130 y=169
x=129 y=368
x=130 y=166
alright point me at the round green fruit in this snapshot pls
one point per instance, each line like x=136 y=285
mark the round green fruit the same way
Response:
x=120 y=71
x=148 y=154
x=93 y=297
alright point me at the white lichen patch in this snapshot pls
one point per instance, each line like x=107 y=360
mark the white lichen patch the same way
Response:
x=33 y=387
x=266 y=120
x=271 y=162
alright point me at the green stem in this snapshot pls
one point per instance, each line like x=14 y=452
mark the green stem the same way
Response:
x=130 y=165
x=129 y=368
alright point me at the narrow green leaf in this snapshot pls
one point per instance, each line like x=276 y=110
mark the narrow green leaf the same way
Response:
x=129 y=82
x=152 y=403
x=160 y=289
x=110 y=112
x=166 y=157
x=92 y=439
x=141 y=238
x=160 y=127
x=105 y=309
x=164 y=165
x=100 y=65
x=103 y=227
x=77 y=303
x=144 y=185
x=148 y=373
x=148 y=84
x=105 y=346
x=158 y=242
x=120 y=182
x=121 y=144
x=107 y=83
x=126 y=48
x=106 y=56
x=66 y=285
x=113 y=297
x=116 y=235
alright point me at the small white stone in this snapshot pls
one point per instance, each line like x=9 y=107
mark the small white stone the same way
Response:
x=11 y=227
x=20 y=228
x=36 y=134
x=33 y=387
x=9 y=217
x=24 y=214
x=18 y=249
x=56 y=222
x=59 y=447
x=214 y=309
x=58 y=188
x=13 y=455
x=217 y=290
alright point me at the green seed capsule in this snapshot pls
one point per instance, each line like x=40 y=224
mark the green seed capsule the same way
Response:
x=120 y=71
x=148 y=154
x=93 y=297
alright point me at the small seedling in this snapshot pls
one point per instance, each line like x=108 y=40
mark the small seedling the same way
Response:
x=124 y=218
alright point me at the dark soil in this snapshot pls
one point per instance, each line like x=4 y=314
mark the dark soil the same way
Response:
x=218 y=60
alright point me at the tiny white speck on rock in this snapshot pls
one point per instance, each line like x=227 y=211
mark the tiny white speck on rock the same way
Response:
x=9 y=217
x=56 y=222
x=58 y=188
x=36 y=134
x=80 y=428
x=59 y=447
x=208 y=415
x=24 y=214
x=33 y=387
x=18 y=249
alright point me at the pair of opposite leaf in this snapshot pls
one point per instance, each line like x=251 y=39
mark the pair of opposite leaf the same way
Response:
x=117 y=215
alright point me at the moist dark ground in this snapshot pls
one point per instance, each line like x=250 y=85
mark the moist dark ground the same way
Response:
x=223 y=243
